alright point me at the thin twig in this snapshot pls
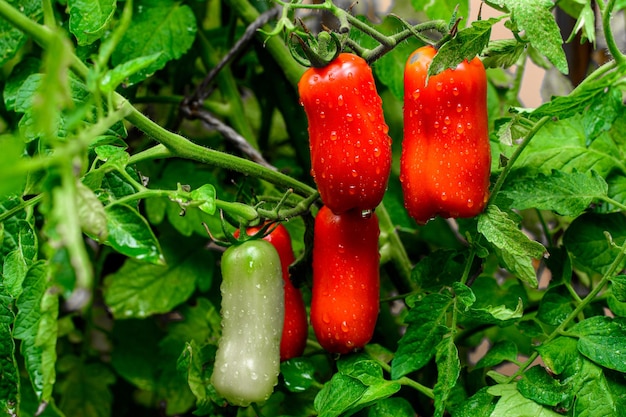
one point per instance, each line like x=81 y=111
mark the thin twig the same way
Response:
x=203 y=90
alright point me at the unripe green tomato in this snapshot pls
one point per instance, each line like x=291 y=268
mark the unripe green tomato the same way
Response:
x=247 y=361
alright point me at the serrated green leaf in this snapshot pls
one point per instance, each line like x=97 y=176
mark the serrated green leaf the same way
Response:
x=568 y=194
x=464 y=46
x=89 y=18
x=595 y=397
x=139 y=289
x=502 y=53
x=426 y=326
x=36 y=325
x=603 y=340
x=338 y=395
x=121 y=74
x=464 y=295
x=602 y=113
x=370 y=373
x=193 y=362
x=515 y=249
x=561 y=356
x=448 y=371
x=618 y=287
x=555 y=306
x=513 y=404
x=10 y=381
x=129 y=233
x=562 y=146
x=535 y=18
x=172 y=29
x=206 y=194
x=11 y=38
x=504 y=350
x=480 y=404
x=391 y=407
x=585 y=239
x=537 y=385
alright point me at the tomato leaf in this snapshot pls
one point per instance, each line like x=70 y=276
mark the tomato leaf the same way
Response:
x=36 y=326
x=534 y=17
x=555 y=306
x=341 y=393
x=137 y=289
x=298 y=374
x=514 y=249
x=502 y=53
x=395 y=406
x=562 y=146
x=123 y=72
x=513 y=404
x=603 y=340
x=448 y=371
x=586 y=240
x=426 y=326
x=89 y=19
x=11 y=38
x=465 y=45
x=10 y=381
x=87 y=388
x=172 y=29
x=568 y=194
x=130 y=234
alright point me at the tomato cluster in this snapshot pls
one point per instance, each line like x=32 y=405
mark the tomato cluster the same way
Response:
x=444 y=171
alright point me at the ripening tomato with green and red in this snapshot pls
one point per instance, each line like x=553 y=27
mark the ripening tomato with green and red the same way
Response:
x=446 y=158
x=295 y=327
x=348 y=137
x=346 y=279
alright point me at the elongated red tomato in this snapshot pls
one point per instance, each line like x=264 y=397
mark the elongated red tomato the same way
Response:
x=346 y=280
x=446 y=159
x=295 y=327
x=349 y=140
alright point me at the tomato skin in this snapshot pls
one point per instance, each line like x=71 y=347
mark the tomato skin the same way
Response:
x=346 y=279
x=446 y=158
x=348 y=137
x=295 y=328
x=247 y=362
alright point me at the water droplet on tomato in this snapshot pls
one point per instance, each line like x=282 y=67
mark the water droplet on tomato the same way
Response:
x=469 y=126
x=459 y=128
x=350 y=75
x=385 y=129
x=344 y=327
x=444 y=197
x=455 y=91
x=436 y=124
x=377 y=152
x=459 y=108
x=354 y=173
x=444 y=129
x=340 y=100
x=333 y=135
x=326 y=318
x=416 y=94
x=322 y=115
x=349 y=117
x=446 y=120
x=470 y=203
x=370 y=116
x=439 y=86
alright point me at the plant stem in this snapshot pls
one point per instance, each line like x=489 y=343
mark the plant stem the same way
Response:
x=608 y=33
x=21 y=206
x=397 y=252
x=505 y=172
x=275 y=46
x=183 y=148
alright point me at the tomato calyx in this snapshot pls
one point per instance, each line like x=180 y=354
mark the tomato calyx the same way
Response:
x=318 y=52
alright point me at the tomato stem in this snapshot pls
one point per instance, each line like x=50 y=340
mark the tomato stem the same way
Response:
x=608 y=33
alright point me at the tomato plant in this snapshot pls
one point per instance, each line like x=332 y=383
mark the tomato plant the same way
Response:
x=130 y=129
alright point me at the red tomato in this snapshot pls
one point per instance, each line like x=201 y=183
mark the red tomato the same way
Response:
x=349 y=141
x=446 y=158
x=346 y=280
